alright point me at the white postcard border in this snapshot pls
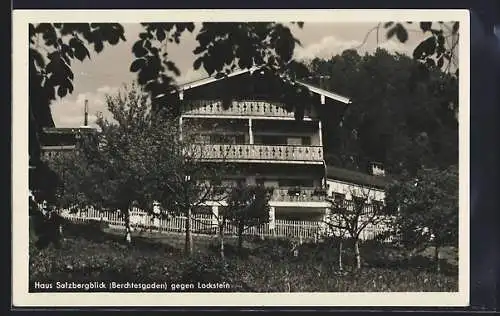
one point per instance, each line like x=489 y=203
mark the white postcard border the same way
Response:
x=20 y=236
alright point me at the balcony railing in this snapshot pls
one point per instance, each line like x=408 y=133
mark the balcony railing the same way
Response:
x=298 y=195
x=281 y=194
x=243 y=107
x=260 y=152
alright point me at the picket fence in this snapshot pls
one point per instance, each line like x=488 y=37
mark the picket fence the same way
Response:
x=207 y=224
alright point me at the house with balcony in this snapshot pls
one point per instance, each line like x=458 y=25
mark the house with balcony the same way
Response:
x=53 y=143
x=240 y=120
x=56 y=141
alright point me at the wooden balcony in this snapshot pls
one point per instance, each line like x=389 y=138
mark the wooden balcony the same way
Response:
x=239 y=108
x=298 y=195
x=282 y=194
x=264 y=153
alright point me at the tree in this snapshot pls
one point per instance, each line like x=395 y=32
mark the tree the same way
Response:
x=75 y=174
x=141 y=157
x=438 y=51
x=52 y=48
x=190 y=185
x=353 y=217
x=110 y=172
x=162 y=161
x=402 y=123
x=428 y=209
x=248 y=206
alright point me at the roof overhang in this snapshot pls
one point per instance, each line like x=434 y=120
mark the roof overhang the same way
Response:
x=321 y=92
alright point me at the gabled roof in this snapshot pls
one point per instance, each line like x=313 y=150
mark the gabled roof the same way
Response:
x=207 y=80
x=356 y=177
x=326 y=93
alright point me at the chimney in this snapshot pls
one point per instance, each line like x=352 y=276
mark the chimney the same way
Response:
x=322 y=79
x=377 y=169
x=86 y=117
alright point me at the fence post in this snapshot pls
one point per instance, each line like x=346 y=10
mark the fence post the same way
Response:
x=272 y=221
x=215 y=217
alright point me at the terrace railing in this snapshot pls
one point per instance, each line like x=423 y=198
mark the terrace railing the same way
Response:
x=298 y=195
x=207 y=224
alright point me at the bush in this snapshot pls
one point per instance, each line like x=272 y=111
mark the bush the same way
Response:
x=205 y=269
x=269 y=268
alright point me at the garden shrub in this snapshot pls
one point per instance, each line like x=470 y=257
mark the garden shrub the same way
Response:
x=205 y=269
x=269 y=268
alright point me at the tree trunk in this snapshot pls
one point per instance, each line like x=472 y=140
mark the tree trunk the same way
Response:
x=240 y=238
x=128 y=228
x=436 y=258
x=356 y=253
x=221 y=239
x=340 y=255
x=188 y=246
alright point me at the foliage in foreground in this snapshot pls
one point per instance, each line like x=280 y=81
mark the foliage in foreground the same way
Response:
x=90 y=254
x=428 y=209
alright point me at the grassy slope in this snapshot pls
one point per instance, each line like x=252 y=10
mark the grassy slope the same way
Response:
x=92 y=253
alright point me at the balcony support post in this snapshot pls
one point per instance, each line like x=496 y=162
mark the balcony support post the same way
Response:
x=320 y=133
x=180 y=128
x=250 y=131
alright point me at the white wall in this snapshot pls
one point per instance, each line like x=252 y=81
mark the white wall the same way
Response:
x=349 y=189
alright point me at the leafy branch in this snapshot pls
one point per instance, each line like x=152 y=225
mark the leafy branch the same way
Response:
x=434 y=51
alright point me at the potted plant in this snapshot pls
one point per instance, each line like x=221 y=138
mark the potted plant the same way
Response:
x=295 y=191
x=319 y=192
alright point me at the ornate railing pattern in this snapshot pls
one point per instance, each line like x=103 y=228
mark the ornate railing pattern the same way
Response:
x=298 y=195
x=260 y=152
x=243 y=107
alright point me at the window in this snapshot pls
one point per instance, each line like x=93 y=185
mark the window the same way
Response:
x=338 y=198
x=296 y=141
x=379 y=206
x=358 y=201
x=227 y=139
x=240 y=139
x=271 y=140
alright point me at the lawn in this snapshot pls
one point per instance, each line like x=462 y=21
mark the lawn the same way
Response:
x=93 y=252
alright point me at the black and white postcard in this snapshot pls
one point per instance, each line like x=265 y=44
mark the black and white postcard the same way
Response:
x=241 y=158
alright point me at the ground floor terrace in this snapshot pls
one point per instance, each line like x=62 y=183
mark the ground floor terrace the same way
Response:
x=298 y=204
x=304 y=221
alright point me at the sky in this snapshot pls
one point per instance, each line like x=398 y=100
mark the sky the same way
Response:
x=107 y=72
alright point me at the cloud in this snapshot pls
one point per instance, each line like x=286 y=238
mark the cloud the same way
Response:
x=107 y=90
x=191 y=75
x=69 y=112
x=330 y=46
x=327 y=47
x=394 y=46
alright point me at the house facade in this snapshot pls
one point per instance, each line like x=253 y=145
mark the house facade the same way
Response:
x=241 y=122
x=347 y=184
x=56 y=141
